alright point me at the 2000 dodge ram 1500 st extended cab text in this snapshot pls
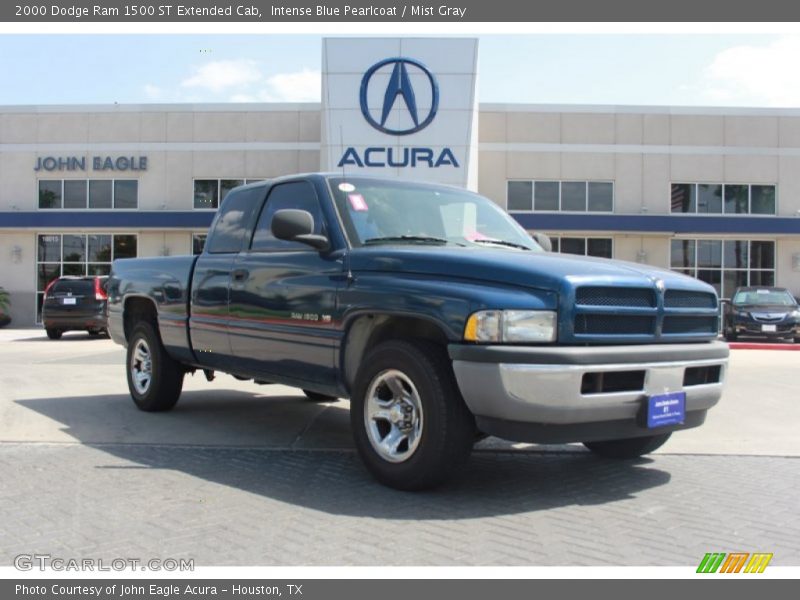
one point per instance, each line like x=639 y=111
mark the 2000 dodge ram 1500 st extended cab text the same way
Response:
x=434 y=312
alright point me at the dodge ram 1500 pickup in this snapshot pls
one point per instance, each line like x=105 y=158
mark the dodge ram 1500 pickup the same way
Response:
x=434 y=312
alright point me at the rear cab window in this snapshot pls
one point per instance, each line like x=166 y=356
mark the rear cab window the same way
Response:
x=233 y=222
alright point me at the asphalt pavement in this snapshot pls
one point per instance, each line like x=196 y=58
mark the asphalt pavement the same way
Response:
x=242 y=474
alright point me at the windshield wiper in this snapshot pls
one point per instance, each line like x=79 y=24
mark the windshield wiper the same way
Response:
x=500 y=243
x=407 y=238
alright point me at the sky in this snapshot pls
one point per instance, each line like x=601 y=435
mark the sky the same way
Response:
x=653 y=69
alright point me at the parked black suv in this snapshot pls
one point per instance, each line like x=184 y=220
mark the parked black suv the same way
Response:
x=767 y=312
x=75 y=303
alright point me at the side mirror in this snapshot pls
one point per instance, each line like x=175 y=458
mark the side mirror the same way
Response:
x=543 y=240
x=295 y=225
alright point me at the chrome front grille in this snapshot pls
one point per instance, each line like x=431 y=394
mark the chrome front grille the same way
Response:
x=768 y=317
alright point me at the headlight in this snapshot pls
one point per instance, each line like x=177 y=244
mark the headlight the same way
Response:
x=511 y=326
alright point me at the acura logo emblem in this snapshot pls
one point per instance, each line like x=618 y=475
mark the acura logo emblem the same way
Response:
x=400 y=93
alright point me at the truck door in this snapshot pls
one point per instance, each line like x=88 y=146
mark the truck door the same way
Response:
x=283 y=297
x=208 y=321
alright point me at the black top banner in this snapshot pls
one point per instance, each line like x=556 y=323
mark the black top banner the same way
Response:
x=447 y=11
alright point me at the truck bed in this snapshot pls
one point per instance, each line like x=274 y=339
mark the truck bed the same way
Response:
x=167 y=281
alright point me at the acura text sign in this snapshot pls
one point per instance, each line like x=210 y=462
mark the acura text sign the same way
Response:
x=402 y=107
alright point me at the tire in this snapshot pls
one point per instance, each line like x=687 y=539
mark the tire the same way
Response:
x=95 y=332
x=158 y=388
x=317 y=397
x=54 y=334
x=731 y=336
x=433 y=429
x=628 y=448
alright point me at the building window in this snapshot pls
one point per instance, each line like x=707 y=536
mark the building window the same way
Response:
x=50 y=193
x=79 y=255
x=125 y=193
x=101 y=193
x=723 y=198
x=88 y=193
x=198 y=242
x=583 y=246
x=563 y=196
x=725 y=264
x=209 y=193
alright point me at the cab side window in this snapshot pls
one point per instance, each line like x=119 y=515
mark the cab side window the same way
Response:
x=233 y=221
x=299 y=195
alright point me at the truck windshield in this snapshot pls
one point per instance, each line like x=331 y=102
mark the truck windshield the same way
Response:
x=764 y=297
x=376 y=211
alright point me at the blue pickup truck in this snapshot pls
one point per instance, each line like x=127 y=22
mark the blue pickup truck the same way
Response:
x=434 y=312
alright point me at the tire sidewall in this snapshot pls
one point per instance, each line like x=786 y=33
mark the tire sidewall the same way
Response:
x=401 y=356
x=152 y=399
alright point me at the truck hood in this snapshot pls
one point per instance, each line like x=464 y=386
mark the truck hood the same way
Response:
x=540 y=270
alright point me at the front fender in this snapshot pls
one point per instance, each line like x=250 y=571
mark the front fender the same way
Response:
x=445 y=302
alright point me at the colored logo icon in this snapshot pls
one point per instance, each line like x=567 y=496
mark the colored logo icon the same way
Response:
x=734 y=562
x=399 y=91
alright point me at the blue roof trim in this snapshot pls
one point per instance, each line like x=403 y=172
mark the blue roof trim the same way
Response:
x=135 y=219
x=659 y=223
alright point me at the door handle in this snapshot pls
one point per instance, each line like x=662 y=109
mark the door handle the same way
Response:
x=240 y=275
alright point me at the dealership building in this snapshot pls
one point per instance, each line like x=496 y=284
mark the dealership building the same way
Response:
x=710 y=192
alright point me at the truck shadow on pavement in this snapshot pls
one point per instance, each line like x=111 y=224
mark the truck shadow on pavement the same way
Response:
x=298 y=452
x=69 y=336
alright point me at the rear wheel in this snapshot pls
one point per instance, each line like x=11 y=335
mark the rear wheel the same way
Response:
x=410 y=424
x=54 y=334
x=628 y=448
x=155 y=380
x=95 y=332
x=317 y=397
x=730 y=335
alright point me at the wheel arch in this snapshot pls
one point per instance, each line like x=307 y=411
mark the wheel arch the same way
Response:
x=136 y=309
x=366 y=330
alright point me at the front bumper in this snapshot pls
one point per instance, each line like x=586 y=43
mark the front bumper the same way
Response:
x=783 y=329
x=558 y=394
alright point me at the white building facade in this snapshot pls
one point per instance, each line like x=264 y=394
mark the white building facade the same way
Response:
x=714 y=193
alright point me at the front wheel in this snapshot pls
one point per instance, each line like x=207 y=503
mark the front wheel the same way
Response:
x=155 y=380
x=628 y=448
x=410 y=424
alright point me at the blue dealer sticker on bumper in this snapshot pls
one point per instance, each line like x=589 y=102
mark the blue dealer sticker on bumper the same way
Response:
x=666 y=409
